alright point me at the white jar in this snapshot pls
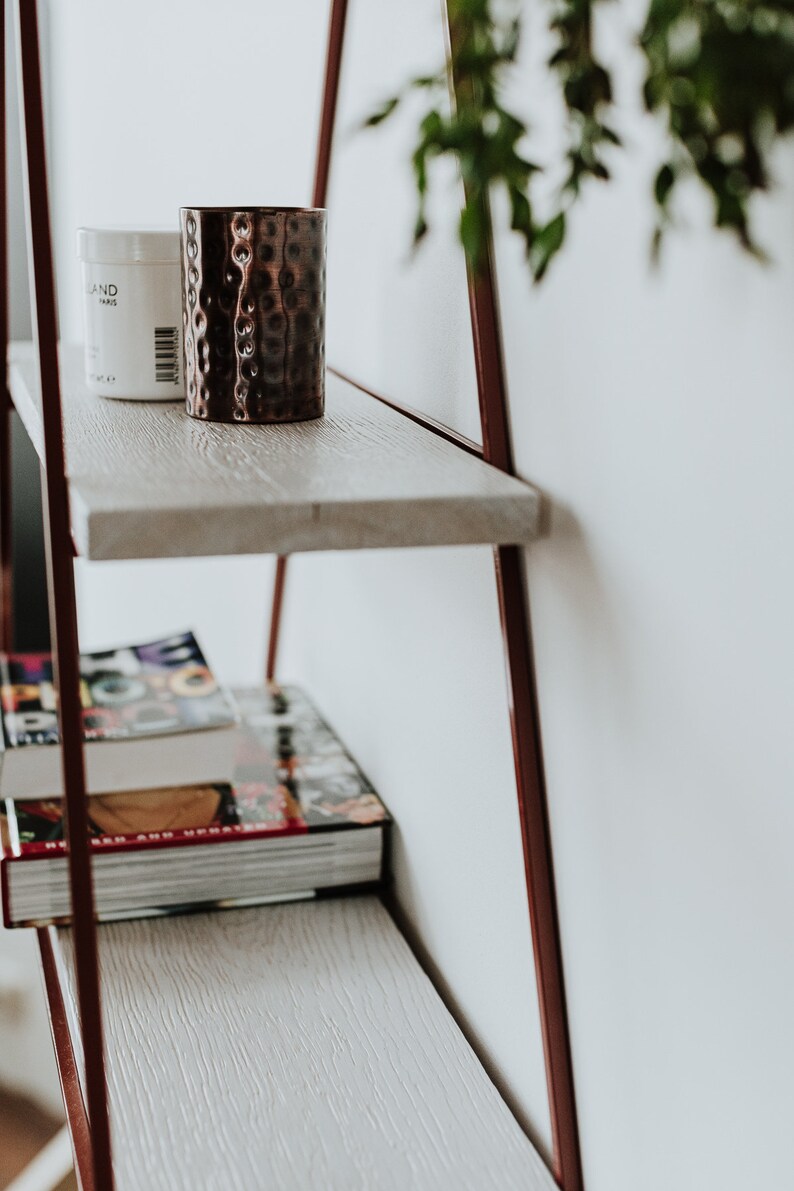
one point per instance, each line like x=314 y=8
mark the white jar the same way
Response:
x=132 y=307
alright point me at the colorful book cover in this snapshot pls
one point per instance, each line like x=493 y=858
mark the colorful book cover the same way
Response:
x=292 y=775
x=161 y=688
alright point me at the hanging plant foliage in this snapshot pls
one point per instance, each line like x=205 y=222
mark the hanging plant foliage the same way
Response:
x=719 y=74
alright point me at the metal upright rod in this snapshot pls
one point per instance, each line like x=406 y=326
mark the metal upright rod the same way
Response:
x=524 y=719
x=333 y=70
x=527 y=751
x=333 y=66
x=279 y=581
x=6 y=562
x=63 y=609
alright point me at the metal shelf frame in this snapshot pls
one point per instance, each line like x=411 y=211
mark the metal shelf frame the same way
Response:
x=89 y=1118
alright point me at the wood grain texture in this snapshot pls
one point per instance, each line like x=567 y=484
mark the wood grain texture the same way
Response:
x=146 y=481
x=297 y=1047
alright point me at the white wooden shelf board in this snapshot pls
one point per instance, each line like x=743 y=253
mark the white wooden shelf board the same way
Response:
x=146 y=481
x=298 y=1047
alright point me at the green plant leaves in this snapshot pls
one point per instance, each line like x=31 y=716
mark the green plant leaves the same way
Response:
x=547 y=243
x=663 y=185
x=382 y=113
x=473 y=231
x=719 y=74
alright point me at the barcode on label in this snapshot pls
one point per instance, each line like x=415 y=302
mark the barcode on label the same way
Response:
x=166 y=355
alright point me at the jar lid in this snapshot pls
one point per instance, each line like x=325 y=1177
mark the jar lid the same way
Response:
x=125 y=245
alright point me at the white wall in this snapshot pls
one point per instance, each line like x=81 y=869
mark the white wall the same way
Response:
x=657 y=412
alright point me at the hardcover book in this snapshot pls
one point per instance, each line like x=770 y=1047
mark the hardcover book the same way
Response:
x=153 y=715
x=300 y=818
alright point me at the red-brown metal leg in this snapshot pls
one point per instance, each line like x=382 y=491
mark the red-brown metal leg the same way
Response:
x=536 y=840
x=525 y=725
x=333 y=64
x=68 y=1072
x=527 y=753
x=63 y=610
x=275 y=616
x=333 y=68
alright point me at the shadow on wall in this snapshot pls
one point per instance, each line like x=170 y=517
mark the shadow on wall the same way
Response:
x=30 y=589
x=31 y=621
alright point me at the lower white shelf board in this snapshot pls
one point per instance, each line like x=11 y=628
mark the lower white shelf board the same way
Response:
x=297 y=1046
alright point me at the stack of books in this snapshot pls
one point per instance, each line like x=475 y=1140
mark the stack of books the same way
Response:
x=152 y=710
x=198 y=799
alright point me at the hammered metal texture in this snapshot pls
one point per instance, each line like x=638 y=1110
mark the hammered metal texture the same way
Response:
x=253 y=293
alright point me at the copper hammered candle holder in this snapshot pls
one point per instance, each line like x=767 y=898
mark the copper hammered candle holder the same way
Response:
x=253 y=295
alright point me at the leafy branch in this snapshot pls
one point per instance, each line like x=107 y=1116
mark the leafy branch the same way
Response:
x=719 y=75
